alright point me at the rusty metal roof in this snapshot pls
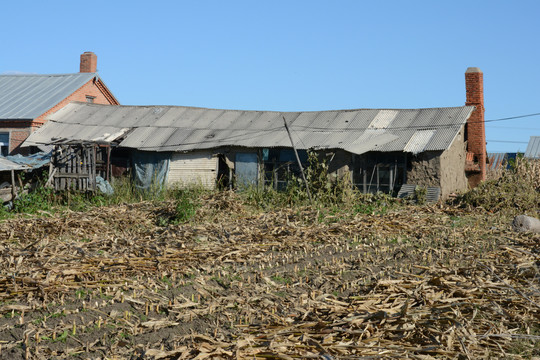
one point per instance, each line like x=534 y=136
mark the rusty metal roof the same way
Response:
x=178 y=128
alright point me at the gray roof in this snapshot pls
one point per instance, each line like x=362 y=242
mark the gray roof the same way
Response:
x=6 y=165
x=533 y=148
x=28 y=96
x=178 y=128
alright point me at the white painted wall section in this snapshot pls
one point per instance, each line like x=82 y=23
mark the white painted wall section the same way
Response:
x=197 y=168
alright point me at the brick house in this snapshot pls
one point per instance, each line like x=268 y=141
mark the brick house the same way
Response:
x=27 y=99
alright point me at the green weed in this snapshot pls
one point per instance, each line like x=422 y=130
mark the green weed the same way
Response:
x=281 y=280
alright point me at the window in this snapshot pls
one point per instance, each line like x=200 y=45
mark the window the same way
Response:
x=90 y=99
x=4 y=144
x=376 y=172
x=280 y=164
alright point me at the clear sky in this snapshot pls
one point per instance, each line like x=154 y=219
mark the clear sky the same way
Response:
x=292 y=55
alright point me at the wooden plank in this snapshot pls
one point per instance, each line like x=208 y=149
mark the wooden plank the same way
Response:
x=94 y=169
x=73 y=176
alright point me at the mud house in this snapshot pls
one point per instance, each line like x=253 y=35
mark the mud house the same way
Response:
x=26 y=100
x=376 y=149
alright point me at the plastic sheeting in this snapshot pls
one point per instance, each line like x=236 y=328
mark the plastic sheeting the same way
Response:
x=34 y=161
x=150 y=169
x=104 y=186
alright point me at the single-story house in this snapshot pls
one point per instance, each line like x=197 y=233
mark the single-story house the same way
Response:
x=376 y=149
x=26 y=100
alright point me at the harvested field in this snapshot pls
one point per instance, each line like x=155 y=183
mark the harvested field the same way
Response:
x=412 y=282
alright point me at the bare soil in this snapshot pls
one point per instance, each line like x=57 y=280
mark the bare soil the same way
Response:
x=410 y=282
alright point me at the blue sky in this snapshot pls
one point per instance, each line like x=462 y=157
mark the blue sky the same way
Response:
x=293 y=55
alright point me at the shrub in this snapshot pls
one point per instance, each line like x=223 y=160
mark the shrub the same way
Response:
x=38 y=198
x=517 y=190
x=186 y=203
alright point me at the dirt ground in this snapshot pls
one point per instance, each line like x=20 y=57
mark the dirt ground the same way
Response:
x=409 y=282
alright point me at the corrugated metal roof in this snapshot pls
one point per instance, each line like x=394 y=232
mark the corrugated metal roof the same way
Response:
x=29 y=96
x=7 y=165
x=533 y=148
x=418 y=142
x=496 y=160
x=177 y=128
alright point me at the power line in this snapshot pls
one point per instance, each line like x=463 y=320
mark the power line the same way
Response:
x=508 y=141
x=514 y=127
x=513 y=117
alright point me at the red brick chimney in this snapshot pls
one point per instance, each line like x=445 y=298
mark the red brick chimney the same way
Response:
x=475 y=131
x=88 y=62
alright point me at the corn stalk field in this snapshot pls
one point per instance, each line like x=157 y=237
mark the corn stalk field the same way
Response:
x=121 y=282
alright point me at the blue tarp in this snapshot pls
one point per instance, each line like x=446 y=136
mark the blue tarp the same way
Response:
x=150 y=169
x=34 y=161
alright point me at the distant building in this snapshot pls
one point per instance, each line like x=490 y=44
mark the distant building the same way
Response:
x=533 y=148
x=499 y=161
x=26 y=100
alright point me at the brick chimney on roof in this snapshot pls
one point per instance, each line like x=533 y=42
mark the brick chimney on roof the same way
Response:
x=475 y=131
x=88 y=62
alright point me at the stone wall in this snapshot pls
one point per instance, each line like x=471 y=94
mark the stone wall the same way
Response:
x=424 y=169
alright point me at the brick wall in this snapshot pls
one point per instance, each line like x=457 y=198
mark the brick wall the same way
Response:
x=18 y=131
x=88 y=62
x=476 y=134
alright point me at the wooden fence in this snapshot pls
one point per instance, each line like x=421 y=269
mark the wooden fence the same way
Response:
x=75 y=166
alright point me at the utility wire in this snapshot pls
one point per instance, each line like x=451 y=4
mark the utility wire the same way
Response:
x=513 y=117
x=508 y=141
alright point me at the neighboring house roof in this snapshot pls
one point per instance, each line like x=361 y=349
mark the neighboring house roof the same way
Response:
x=533 y=148
x=28 y=96
x=178 y=128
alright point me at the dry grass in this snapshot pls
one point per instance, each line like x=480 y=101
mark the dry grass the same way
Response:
x=416 y=282
x=515 y=191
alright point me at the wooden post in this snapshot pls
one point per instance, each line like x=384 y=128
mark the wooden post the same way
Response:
x=298 y=160
x=107 y=175
x=13 y=188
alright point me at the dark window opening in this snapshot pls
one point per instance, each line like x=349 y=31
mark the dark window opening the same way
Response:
x=280 y=165
x=4 y=144
x=380 y=173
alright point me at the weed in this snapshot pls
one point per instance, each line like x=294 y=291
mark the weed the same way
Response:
x=281 y=280
x=39 y=199
x=420 y=195
x=10 y=315
x=167 y=281
x=81 y=293
x=525 y=347
x=56 y=315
